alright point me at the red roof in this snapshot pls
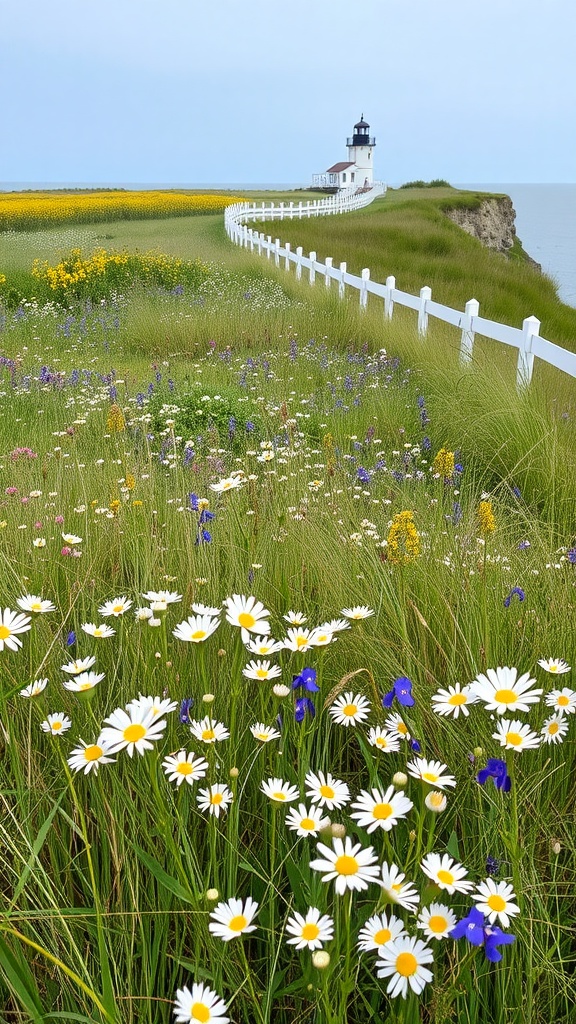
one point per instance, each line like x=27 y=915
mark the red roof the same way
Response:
x=340 y=167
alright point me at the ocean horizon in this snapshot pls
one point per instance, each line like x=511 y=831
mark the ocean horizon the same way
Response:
x=545 y=215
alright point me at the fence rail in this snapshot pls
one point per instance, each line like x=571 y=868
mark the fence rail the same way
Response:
x=526 y=339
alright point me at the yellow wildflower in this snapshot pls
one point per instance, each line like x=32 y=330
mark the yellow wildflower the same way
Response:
x=115 y=422
x=403 y=539
x=486 y=517
x=130 y=482
x=114 y=505
x=443 y=464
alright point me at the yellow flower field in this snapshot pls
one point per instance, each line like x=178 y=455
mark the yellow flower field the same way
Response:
x=24 y=211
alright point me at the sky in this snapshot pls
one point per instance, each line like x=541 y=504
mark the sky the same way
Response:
x=258 y=91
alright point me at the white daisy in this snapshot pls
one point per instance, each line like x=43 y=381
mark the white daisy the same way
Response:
x=230 y=483
x=402 y=960
x=263 y=645
x=396 y=889
x=430 y=772
x=74 y=668
x=199 y=1005
x=37 y=605
x=116 y=607
x=380 y=810
x=89 y=756
x=234 y=918
x=157 y=705
x=261 y=670
x=247 y=613
x=57 y=723
x=306 y=821
x=204 y=609
x=167 y=596
x=98 y=631
x=437 y=921
x=554 y=729
x=132 y=729
x=320 y=637
x=563 y=700
x=264 y=733
x=397 y=727
x=71 y=539
x=83 y=681
x=216 y=799
x=33 y=689
x=279 y=791
x=335 y=625
x=350 y=708
x=494 y=900
x=297 y=639
x=196 y=628
x=378 y=931
x=383 y=740
x=360 y=611
x=454 y=700
x=12 y=623
x=447 y=873
x=501 y=691
x=209 y=730
x=326 y=791
x=295 y=618
x=182 y=767
x=515 y=735
x=556 y=666
x=436 y=801
x=309 y=932
x=347 y=864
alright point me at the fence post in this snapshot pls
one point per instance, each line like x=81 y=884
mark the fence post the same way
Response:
x=300 y=210
x=276 y=252
x=530 y=328
x=365 y=275
x=388 y=300
x=269 y=249
x=251 y=239
x=291 y=210
x=328 y=264
x=341 y=285
x=299 y=261
x=260 y=237
x=281 y=211
x=425 y=295
x=287 y=260
x=312 y=268
x=471 y=310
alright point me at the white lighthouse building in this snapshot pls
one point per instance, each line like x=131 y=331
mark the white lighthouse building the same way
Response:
x=358 y=169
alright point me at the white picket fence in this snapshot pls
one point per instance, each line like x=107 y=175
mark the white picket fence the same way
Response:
x=526 y=339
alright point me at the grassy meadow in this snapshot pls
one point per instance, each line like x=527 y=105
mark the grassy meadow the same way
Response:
x=260 y=549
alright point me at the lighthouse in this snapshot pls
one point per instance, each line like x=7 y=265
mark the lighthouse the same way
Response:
x=360 y=152
x=358 y=169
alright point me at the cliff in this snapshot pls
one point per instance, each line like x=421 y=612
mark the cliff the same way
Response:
x=492 y=222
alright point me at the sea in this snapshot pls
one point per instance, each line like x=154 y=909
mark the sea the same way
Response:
x=545 y=216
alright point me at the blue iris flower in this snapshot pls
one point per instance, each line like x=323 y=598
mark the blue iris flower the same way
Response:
x=415 y=746
x=304 y=705
x=495 y=769
x=496 y=937
x=71 y=638
x=193 y=499
x=473 y=927
x=306 y=680
x=402 y=690
x=515 y=592
x=206 y=516
x=185 y=707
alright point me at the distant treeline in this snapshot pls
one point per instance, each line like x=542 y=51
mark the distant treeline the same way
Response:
x=435 y=183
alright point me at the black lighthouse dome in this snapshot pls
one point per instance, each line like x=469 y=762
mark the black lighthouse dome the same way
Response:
x=361 y=136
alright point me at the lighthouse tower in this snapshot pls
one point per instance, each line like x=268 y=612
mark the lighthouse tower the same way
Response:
x=360 y=152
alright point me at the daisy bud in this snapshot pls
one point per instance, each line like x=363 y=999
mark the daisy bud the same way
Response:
x=221 y=653
x=233 y=773
x=412 y=836
x=436 y=801
x=320 y=959
x=159 y=606
x=155 y=622
x=556 y=847
x=212 y=894
x=208 y=698
x=477 y=751
x=399 y=780
x=280 y=690
x=168 y=664
x=337 y=830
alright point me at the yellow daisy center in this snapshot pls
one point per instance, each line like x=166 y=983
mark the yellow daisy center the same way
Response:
x=327 y=792
x=310 y=931
x=279 y=795
x=133 y=733
x=208 y=734
x=445 y=876
x=262 y=673
x=381 y=811
x=36 y=606
x=118 y=608
x=346 y=865
x=349 y=710
x=93 y=753
x=238 y=923
x=401 y=728
x=246 y=620
x=321 y=638
x=552 y=668
x=4 y=632
x=301 y=641
x=553 y=728
x=505 y=697
x=381 y=742
x=437 y=923
x=262 y=736
x=56 y=726
x=562 y=702
x=308 y=823
x=430 y=776
x=514 y=738
x=85 y=686
x=436 y=799
x=198 y=635
x=98 y=632
x=406 y=964
x=496 y=902
x=382 y=935
x=200 y=1012
x=184 y=768
x=457 y=698
x=216 y=798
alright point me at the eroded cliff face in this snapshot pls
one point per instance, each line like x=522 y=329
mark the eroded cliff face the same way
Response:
x=492 y=222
